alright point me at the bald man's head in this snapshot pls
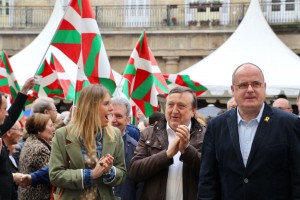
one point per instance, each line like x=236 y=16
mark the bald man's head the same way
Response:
x=283 y=104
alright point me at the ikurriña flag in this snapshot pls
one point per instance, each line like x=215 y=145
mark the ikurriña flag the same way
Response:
x=8 y=81
x=185 y=80
x=81 y=82
x=79 y=38
x=53 y=81
x=64 y=87
x=143 y=80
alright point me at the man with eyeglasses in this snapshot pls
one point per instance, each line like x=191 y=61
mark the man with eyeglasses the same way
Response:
x=11 y=138
x=283 y=104
x=7 y=120
x=252 y=151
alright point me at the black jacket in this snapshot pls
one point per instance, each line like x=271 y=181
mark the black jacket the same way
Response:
x=272 y=171
x=6 y=179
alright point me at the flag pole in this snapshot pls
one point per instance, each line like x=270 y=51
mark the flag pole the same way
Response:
x=73 y=109
x=118 y=88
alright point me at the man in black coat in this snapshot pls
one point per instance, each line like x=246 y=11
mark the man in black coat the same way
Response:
x=7 y=120
x=251 y=152
x=11 y=138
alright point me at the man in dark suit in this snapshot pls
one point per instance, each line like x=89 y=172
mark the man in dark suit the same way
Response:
x=7 y=120
x=130 y=189
x=251 y=152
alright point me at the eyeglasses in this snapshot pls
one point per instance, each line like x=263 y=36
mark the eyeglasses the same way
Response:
x=281 y=108
x=18 y=129
x=245 y=85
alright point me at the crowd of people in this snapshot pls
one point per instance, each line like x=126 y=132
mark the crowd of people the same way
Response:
x=249 y=151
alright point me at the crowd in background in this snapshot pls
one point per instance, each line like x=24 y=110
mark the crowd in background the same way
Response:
x=94 y=152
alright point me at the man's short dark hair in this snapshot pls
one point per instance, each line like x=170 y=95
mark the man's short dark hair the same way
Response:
x=181 y=89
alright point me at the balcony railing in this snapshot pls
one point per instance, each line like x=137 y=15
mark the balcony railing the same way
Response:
x=156 y=17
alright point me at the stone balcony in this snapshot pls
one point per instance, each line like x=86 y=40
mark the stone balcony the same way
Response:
x=175 y=42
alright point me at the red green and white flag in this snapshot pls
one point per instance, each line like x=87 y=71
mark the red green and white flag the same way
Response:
x=143 y=80
x=42 y=75
x=45 y=76
x=53 y=81
x=81 y=82
x=8 y=82
x=64 y=87
x=79 y=38
x=31 y=97
x=184 y=80
x=134 y=115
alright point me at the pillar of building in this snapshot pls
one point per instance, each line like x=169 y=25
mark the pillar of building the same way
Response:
x=171 y=64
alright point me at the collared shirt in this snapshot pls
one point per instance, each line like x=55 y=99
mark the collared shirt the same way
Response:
x=247 y=132
x=174 y=182
x=124 y=136
x=13 y=161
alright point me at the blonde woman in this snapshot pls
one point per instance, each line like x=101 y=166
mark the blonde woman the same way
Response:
x=87 y=157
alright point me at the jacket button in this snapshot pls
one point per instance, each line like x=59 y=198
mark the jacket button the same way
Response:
x=246 y=180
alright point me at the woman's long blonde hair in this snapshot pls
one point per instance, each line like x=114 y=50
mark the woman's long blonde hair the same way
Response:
x=87 y=121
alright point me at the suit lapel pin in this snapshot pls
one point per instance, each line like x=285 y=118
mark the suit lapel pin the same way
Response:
x=266 y=119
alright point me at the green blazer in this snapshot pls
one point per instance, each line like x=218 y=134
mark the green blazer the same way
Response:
x=71 y=179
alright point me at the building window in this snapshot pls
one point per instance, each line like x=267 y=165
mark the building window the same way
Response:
x=276 y=5
x=4 y=7
x=137 y=13
x=290 y=5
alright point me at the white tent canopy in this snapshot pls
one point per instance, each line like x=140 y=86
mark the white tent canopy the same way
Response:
x=255 y=42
